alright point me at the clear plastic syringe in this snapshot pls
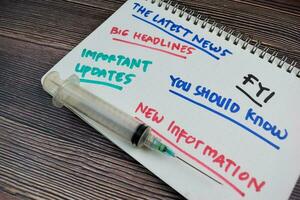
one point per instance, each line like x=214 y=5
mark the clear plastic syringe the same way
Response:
x=69 y=93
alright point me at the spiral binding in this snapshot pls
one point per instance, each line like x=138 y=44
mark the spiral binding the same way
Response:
x=230 y=33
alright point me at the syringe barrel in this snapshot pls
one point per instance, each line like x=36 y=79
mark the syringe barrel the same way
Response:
x=70 y=94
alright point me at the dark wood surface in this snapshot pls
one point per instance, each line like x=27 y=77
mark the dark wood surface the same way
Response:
x=49 y=153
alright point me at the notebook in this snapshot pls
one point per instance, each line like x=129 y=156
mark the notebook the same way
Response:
x=225 y=104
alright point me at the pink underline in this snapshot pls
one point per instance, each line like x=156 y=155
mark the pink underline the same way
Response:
x=153 y=48
x=197 y=160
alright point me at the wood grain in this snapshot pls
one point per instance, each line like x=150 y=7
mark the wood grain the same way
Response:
x=7 y=196
x=48 y=153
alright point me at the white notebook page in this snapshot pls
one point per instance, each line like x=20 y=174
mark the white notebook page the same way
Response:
x=226 y=111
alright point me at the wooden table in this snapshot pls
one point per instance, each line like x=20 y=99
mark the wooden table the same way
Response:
x=49 y=153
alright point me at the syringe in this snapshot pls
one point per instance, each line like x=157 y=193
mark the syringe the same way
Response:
x=69 y=93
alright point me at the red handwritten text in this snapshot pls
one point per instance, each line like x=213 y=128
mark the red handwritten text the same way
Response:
x=152 y=41
x=220 y=164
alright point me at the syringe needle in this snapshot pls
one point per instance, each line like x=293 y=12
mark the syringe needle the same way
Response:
x=198 y=170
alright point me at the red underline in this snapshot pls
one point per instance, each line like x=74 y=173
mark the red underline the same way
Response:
x=148 y=47
x=197 y=160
